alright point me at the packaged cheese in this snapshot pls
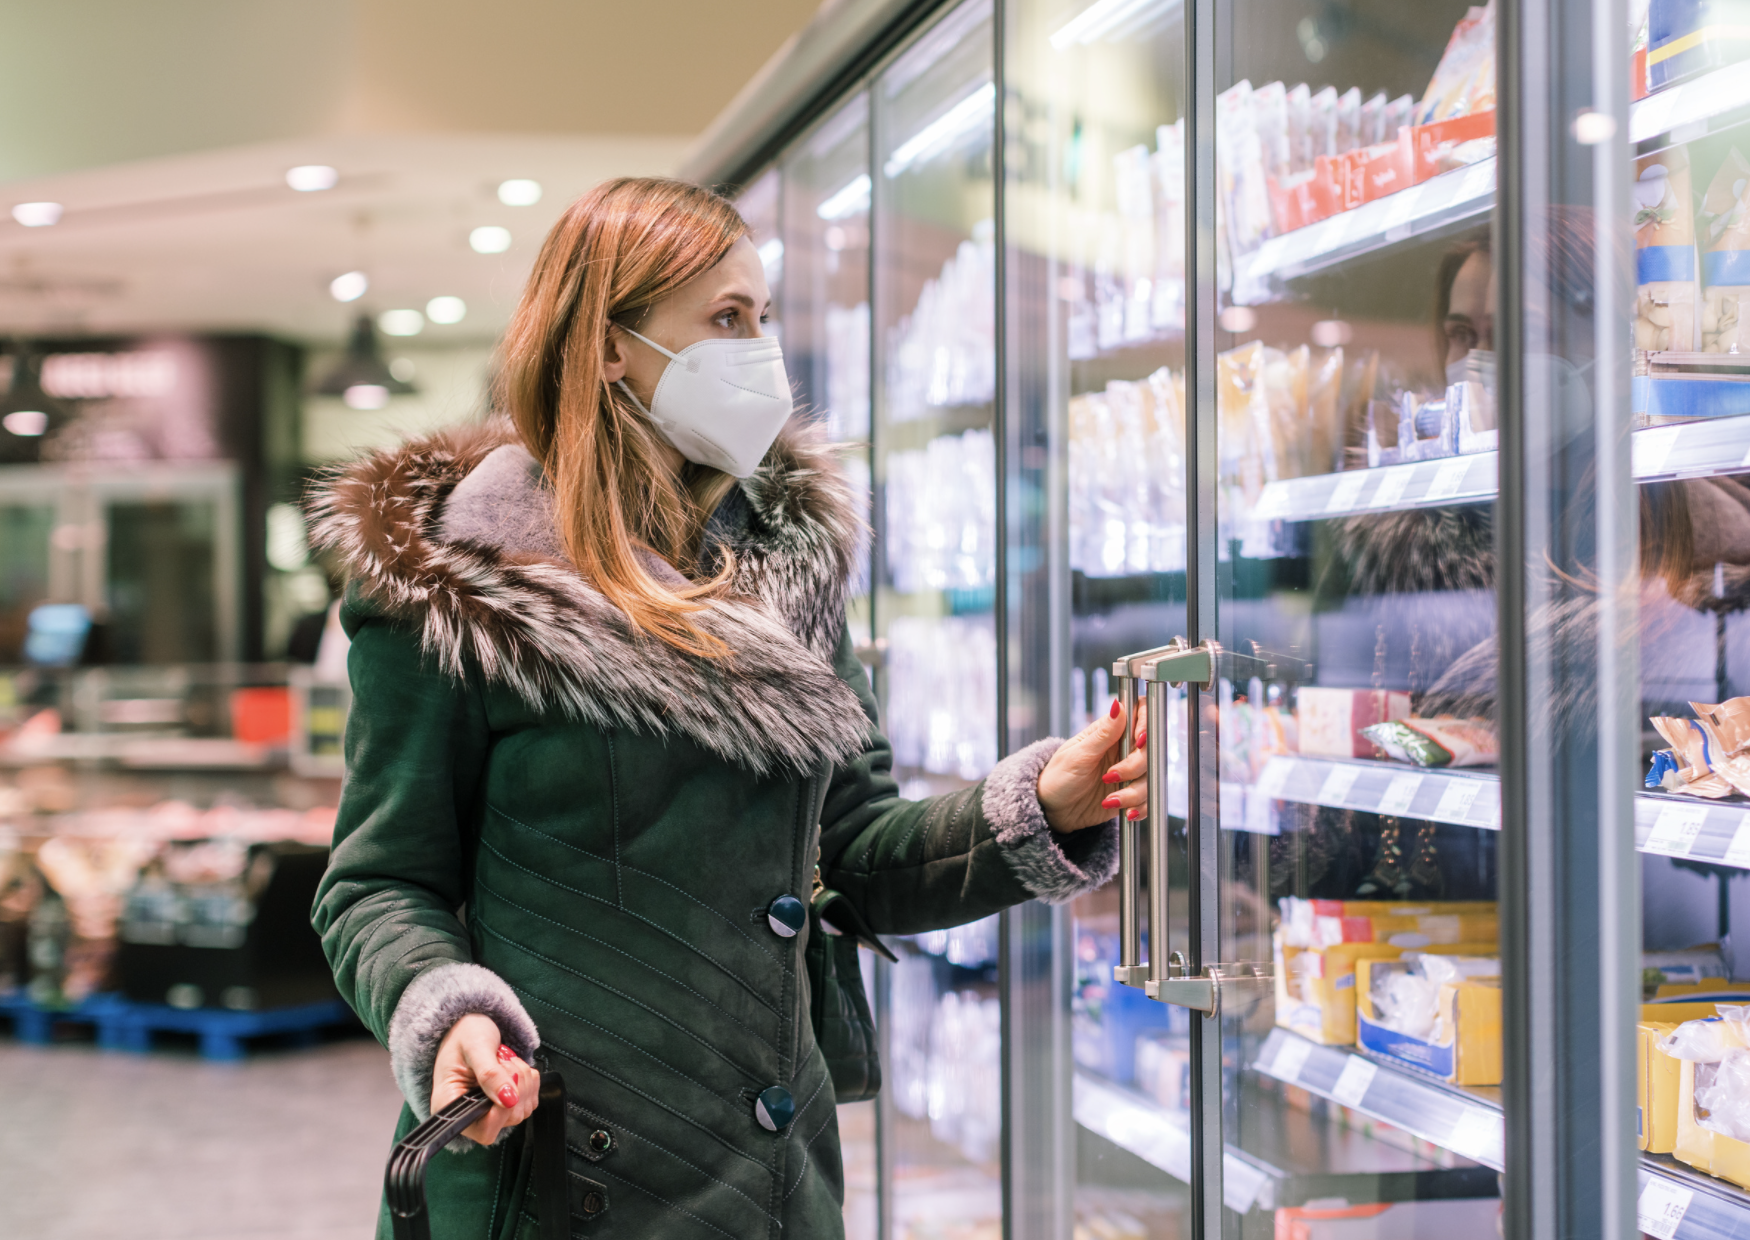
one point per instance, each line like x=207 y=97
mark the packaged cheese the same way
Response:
x=1726 y=264
x=1331 y=720
x=1665 y=317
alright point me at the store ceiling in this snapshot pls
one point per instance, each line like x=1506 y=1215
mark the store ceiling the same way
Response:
x=165 y=130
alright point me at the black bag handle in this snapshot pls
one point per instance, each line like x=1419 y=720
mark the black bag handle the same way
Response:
x=404 y=1181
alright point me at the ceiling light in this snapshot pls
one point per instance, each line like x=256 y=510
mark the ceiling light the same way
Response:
x=26 y=411
x=445 y=310
x=308 y=178
x=349 y=287
x=401 y=322
x=1238 y=319
x=402 y=369
x=1329 y=333
x=26 y=422
x=853 y=199
x=365 y=396
x=363 y=369
x=489 y=239
x=37 y=214
x=971 y=114
x=519 y=193
x=1105 y=17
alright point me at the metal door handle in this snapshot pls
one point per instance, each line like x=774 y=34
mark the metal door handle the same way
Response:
x=1132 y=968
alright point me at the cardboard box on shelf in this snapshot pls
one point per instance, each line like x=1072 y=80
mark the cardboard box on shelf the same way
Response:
x=1321 y=923
x=1703 y=1148
x=1316 y=987
x=1656 y=1088
x=1464 y=1047
x=1429 y=142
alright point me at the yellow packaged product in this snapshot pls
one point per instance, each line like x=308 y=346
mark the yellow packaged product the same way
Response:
x=1656 y=1088
x=1713 y=1093
x=1440 y=1013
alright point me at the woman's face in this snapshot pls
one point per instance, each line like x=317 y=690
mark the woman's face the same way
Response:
x=729 y=301
x=1470 y=316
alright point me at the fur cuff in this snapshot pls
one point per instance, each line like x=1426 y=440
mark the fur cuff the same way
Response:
x=435 y=1000
x=1055 y=868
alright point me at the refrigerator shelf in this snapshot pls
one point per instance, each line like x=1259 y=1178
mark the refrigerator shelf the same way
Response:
x=1442 y=203
x=1685 y=450
x=1671 y=826
x=1684 y=112
x=1678 y=1203
x=1291 y=1160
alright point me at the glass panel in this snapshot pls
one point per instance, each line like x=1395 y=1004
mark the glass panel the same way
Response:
x=934 y=575
x=1095 y=230
x=827 y=196
x=25 y=530
x=760 y=205
x=160 y=585
x=1356 y=763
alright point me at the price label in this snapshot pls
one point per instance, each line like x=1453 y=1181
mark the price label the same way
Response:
x=1401 y=207
x=1661 y=1207
x=1477 y=1134
x=1456 y=799
x=1333 y=233
x=1290 y=1058
x=1449 y=478
x=1346 y=492
x=1338 y=781
x=1738 y=851
x=1274 y=777
x=1675 y=829
x=1399 y=793
x=1650 y=448
x=1352 y=1083
x=1391 y=486
x=1650 y=115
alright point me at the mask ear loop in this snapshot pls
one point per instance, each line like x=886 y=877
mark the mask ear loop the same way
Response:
x=621 y=383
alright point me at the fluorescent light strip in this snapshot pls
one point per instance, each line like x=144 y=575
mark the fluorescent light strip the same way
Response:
x=940 y=134
x=1100 y=19
x=851 y=200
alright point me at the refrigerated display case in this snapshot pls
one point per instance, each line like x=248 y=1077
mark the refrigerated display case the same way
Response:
x=1351 y=389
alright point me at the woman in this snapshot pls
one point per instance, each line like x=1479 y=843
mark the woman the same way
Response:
x=606 y=713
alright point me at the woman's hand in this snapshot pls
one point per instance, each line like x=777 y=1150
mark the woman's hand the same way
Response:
x=471 y=1055
x=1096 y=775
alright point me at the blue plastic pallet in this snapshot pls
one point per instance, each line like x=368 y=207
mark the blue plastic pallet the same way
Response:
x=127 y=1026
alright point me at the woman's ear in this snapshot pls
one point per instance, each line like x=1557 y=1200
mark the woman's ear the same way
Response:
x=614 y=356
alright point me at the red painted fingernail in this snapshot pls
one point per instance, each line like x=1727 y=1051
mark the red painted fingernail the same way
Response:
x=1111 y=777
x=1110 y=802
x=507 y=1097
x=1133 y=814
x=1115 y=708
x=1142 y=738
x=505 y=1054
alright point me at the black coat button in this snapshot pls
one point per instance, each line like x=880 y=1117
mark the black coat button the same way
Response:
x=774 y=1108
x=601 y=1140
x=786 y=915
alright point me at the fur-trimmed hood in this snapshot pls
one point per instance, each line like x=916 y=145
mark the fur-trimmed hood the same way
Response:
x=456 y=534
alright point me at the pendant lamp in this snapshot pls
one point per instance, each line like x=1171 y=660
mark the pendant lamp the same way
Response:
x=362 y=377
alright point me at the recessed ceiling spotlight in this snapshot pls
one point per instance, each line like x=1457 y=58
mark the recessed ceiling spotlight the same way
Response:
x=489 y=239
x=365 y=396
x=26 y=423
x=402 y=368
x=446 y=309
x=37 y=214
x=349 y=287
x=519 y=192
x=308 y=178
x=401 y=322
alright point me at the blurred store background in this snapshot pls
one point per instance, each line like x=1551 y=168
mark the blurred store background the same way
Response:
x=240 y=242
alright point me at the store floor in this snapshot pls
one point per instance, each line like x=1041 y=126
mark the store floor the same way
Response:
x=287 y=1145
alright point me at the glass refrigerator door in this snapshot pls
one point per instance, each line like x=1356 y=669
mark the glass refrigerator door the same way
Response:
x=934 y=577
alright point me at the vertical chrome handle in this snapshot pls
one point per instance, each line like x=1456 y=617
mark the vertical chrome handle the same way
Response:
x=1159 y=898
x=1132 y=969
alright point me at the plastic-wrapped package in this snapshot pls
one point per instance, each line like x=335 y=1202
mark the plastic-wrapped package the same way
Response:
x=1240 y=170
x=1373 y=120
x=1348 y=127
x=1726 y=264
x=1709 y=755
x=1322 y=442
x=1464 y=81
x=1301 y=147
x=1167 y=309
x=1270 y=116
x=1133 y=183
x=1408 y=1000
x=1398 y=113
x=1437 y=742
x=1665 y=315
x=1321 y=125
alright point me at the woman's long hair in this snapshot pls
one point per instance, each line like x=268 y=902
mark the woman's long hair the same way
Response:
x=615 y=252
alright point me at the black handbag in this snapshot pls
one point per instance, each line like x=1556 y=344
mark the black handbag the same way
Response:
x=844 y=1027
x=542 y=1154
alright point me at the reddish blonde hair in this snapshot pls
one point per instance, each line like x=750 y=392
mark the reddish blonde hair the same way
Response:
x=616 y=251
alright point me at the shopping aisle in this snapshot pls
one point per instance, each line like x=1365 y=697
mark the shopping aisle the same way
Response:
x=286 y=1145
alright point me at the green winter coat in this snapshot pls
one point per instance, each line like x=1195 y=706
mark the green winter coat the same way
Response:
x=577 y=831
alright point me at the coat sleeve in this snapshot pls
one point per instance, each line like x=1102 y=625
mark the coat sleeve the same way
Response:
x=912 y=866
x=389 y=908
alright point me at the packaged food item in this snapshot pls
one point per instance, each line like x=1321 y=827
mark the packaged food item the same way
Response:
x=1658 y=1078
x=1270 y=116
x=1726 y=264
x=1315 y=989
x=1441 y=741
x=1464 y=80
x=1448 y=1005
x=1665 y=315
x=1348 y=121
x=1690 y=966
x=1322 y=123
x=1686 y=38
x=1713 y=1093
x=1331 y=720
x=1398 y=113
x=1373 y=120
x=1300 y=137
x=1325 y=923
x=1168 y=306
x=1240 y=170
x=1709 y=755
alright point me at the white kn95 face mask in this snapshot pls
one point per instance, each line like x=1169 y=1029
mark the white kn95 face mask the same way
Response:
x=720 y=402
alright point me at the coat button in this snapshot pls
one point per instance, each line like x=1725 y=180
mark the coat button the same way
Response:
x=594 y=1203
x=601 y=1140
x=786 y=915
x=774 y=1108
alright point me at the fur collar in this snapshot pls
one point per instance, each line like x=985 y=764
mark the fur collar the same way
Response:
x=455 y=534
